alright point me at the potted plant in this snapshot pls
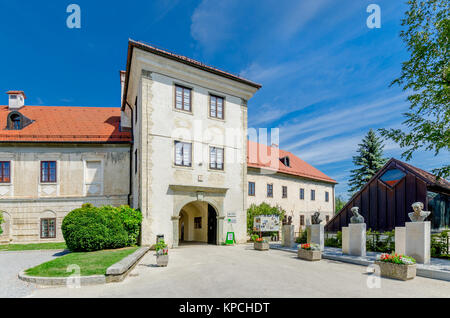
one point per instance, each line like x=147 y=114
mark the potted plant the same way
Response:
x=309 y=252
x=260 y=243
x=162 y=253
x=396 y=266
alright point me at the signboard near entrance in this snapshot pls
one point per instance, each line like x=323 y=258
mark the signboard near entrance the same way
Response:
x=230 y=238
x=266 y=223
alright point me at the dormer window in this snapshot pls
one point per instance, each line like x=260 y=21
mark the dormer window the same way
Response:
x=17 y=121
x=285 y=160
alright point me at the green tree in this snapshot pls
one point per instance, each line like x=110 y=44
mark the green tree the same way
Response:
x=368 y=161
x=339 y=204
x=1 y=222
x=262 y=209
x=426 y=32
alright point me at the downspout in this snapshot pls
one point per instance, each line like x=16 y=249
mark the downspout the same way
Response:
x=130 y=187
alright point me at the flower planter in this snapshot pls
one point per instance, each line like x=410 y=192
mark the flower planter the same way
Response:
x=397 y=271
x=162 y=260
x=261 y=246
x=309 y=255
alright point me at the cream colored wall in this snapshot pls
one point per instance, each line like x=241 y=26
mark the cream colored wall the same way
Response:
x=27 y=200
x=160 y=125
x=292 y=204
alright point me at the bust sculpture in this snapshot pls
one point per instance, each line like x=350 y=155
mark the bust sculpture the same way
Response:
x=315 y=218
x=418 y=215
x=356 y=218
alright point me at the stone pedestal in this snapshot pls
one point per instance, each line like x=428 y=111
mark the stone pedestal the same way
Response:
x=357 y=239
x=315 y=234
x=288 y=235
x=345 y=240
x=400 y=240
x=418 y=236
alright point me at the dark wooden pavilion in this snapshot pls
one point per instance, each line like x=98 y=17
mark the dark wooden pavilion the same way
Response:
x=386 y=199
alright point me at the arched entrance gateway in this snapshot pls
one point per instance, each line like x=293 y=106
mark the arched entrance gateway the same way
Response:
x=197 y=223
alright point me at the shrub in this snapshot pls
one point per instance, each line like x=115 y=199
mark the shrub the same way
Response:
x=380 y=242
x=440 y=244
x=334 y=241
x=262 y=209
x=1 y=222
x=90 y=228
x=302 y=238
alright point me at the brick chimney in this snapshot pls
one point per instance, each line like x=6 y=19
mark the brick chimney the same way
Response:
x=16 y=100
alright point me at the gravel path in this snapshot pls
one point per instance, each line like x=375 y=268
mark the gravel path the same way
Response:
x=11 y=263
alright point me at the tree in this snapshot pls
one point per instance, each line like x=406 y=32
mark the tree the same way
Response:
x=369 y=160
x=427 y=75
x=1 y=222
x=339 y=204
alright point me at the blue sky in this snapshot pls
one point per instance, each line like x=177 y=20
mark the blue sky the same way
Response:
x=325 y=74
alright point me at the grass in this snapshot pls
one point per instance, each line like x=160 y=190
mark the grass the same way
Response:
x=31 y=247
x=90 y=263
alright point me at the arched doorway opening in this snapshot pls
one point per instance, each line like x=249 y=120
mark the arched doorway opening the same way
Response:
x=197 y=223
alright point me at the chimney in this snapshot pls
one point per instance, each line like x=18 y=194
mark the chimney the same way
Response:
x=16 y=100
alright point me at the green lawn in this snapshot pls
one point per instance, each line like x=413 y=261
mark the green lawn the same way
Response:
x=29 y=247
x=90 y=263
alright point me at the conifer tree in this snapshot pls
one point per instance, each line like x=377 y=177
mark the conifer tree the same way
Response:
x=368 y=161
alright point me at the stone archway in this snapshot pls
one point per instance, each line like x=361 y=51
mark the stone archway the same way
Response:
x=197 y=221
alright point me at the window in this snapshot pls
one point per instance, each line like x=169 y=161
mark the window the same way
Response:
x=286 y=161
x=48 y=171
x=302 y=220
x=183 y=154
x=216 y=158
x=16 y=122
x=198 y=222
x=216 y=106
x=183 y=98
x=48 y=228
x=313 y=195
x=5 y=171
x=392 y=177
x=251 y=188
x=302 y=194
x=284 y=191
x=327 y=196
x=270 y=190
x=327 y=218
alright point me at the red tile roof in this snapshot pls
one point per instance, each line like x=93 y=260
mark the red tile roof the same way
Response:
x=262 y=156
x=66 y=124
x=16 y=92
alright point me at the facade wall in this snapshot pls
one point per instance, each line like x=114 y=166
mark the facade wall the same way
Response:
x=26 y=200
x=164 y=188
x=293 y=205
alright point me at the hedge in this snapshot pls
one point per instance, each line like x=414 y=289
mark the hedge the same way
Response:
x=95 y=228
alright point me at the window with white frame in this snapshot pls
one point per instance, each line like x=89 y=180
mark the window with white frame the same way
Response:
x=183 y=154
x=183 y=98
x=216 y=106
x=216 y=158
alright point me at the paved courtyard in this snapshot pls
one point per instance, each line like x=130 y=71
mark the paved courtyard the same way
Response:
x=11 y=263
x=240 y=271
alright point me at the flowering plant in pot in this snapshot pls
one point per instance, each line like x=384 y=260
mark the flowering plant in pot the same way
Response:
x=260 y=244
x=162 y=253
x=396 y=266
x=309 y=252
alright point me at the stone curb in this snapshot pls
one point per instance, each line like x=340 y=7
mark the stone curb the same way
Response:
x=122 y=266
x=423 y=272
x=115 y=273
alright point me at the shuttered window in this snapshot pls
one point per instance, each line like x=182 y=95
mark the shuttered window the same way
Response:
x=183 y=154
x=216 y=158
x=183 y=98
